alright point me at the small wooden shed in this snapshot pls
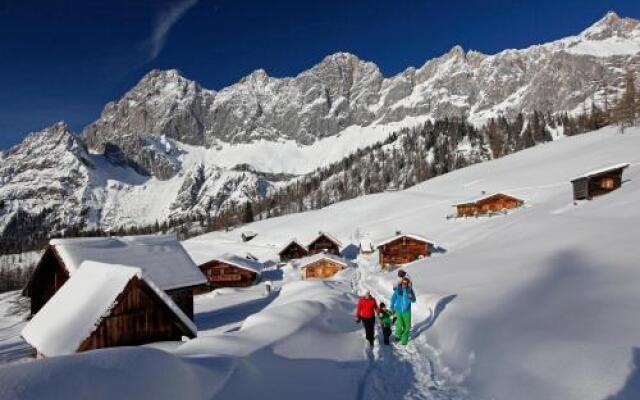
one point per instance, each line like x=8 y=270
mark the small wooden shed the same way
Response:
x=230 y=270
x=403 y=248
x=598 y=182
x=293 y=250
x=320 y=266
x=161 y=257
x=106 y=305
x=487 y=204
x=325 y=243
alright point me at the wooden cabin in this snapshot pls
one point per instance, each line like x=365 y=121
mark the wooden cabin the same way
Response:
x=162 y=258
x=320 y=266
x=487 y=204
x=325 y=243
x=292 y=251
x=230 y=270
x=403 y=248
x=599 y=182
x=248 y=236
x=106 y=305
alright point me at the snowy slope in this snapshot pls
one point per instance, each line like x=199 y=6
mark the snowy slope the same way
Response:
x=536 y=304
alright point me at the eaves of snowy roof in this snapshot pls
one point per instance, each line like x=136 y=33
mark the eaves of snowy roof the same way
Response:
x=289 y=243
x=161 y=257
x=76 y=310
x=409 y=235
x=240 y=262
x=304 y=262
x=484 y=197
x=602 y=171
x=328 y=236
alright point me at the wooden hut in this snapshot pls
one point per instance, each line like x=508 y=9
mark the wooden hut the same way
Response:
x=320 y=265
x=293 y=250
x=325 y=243
x=229 y=270
x=487 y=204
x=403 y=248
x=162 y=258
x=106 y=305
x=599 y=182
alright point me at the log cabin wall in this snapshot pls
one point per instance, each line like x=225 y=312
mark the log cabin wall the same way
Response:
x=491 y=204
x=581 y=189
x=183 y=297
x=220 y=274
x=604 y=184
x=402 y=251
x=321 y=269
x=139 y=317
x=292 y=252
x=324 y=245
x=48 y=277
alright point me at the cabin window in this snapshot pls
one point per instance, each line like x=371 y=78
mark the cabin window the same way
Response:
x=607 y=183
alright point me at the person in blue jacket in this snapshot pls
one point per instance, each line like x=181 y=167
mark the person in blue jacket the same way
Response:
x=401 y=300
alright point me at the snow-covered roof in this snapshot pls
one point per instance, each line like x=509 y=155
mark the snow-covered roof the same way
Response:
x=602 y=170
x=290 y=242
x=162 y=258
x=366 y=243
x=306 y=261
x=328 y=236
x=401 y=235
x=75 y=311
x=241 y=262
x=483 y=197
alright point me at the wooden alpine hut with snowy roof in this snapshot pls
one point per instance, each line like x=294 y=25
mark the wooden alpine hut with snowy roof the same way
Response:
x=161 y=258
x=293 y=250
x=230 y=270
x=487 y=204
x=106 y=305
x=320 y=265
x=598 y=182
x=403 y=248
x=325 y=243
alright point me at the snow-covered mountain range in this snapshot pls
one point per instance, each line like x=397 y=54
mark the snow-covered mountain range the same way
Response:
x=169 y=147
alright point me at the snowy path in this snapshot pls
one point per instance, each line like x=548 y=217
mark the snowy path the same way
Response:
x=404 y=372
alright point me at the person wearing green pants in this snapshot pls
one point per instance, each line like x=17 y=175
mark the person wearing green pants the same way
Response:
x=401 y=300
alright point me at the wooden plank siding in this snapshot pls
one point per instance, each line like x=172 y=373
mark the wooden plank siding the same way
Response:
x=403 y=250
x=322 y=244
x=495 y=203
x=139 y=317
x=48 y=276
x=220 y=274
x=321 y=269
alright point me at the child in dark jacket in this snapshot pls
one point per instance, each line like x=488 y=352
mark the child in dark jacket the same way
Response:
x=384 y=316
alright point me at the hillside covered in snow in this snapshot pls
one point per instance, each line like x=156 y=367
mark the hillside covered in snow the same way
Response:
x=538 y=303
x=170 y=149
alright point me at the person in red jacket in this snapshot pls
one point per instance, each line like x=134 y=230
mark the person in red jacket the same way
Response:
x=366 y=312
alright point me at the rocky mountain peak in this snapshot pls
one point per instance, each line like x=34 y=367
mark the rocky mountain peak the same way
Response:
x=611 y=25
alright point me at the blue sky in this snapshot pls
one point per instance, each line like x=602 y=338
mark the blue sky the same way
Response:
x=64 y=60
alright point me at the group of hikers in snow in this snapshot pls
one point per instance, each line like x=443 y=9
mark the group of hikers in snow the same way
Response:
x=399 y=312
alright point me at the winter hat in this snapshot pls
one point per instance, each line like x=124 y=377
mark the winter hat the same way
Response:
x=401 y=273
x=367 y=293
x=382 y=305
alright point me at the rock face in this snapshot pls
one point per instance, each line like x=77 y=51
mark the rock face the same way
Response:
x=343 y=90
x=149 y=155
x=45 y=176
